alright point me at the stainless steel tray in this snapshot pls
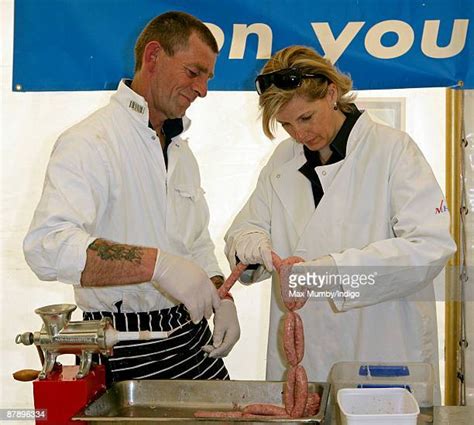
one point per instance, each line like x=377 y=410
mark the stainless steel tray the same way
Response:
x=175 y=401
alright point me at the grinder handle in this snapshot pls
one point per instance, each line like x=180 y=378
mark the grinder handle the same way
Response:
x=26 y=375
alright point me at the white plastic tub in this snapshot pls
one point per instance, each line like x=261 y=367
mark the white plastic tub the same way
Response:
x=377 y=406
x=418 y=378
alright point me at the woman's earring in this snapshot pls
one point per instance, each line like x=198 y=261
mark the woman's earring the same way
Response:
x=335 y=106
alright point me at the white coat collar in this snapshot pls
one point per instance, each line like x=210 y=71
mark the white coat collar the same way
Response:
x=361 y=127
x=294 y=189
x=136 y=105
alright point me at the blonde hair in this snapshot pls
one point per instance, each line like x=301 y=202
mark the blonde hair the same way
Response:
x=308 y=61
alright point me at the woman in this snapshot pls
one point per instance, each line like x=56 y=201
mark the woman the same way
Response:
x=349 y=194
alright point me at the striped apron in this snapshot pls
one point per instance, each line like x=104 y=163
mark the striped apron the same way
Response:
x=177 y=357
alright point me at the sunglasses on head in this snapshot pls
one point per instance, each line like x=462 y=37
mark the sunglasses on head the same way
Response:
x=285 y=79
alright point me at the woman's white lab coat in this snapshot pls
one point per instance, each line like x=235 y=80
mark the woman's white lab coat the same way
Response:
x=382 y=210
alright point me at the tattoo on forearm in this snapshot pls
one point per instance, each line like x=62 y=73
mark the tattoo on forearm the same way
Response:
x=112 y=251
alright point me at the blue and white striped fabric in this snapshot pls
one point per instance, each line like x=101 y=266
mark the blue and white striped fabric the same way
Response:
x=177 y=357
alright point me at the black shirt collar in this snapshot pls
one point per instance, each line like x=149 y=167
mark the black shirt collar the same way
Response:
x=339 y=145
x=172 y=128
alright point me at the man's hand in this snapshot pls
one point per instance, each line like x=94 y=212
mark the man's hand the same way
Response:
x=251 y=248
x=226 y=330
x=188 y=283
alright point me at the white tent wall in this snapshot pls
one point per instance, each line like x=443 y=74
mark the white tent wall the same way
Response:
x=231 y=149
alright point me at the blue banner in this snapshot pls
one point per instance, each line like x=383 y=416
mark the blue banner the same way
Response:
x=88 y=44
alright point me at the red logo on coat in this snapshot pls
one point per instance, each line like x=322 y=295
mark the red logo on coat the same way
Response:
x=442 y=208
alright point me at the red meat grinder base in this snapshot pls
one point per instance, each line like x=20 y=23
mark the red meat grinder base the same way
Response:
x=62 y=395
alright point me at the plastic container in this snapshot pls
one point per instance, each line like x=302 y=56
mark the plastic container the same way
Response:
x=377 y=406
x=417 y=378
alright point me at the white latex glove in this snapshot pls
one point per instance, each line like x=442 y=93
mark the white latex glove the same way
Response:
x=188 y=283
x=226 y=330
x=252 y=248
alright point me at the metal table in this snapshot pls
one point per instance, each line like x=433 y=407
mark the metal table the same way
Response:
x=453 y=415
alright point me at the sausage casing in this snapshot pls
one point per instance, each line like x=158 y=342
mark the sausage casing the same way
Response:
x=264 y=409
x=299 y=338
x=301 y=392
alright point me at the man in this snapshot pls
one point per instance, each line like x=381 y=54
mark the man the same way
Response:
x=123 y=219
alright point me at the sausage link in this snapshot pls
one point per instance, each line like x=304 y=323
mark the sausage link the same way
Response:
x=276 y=261
x=217 y=414
x=284 y=277
x=229 y=282
x=301 y=392
x=299 y=338
x=252 y=416
x=298 y=402
x=293 y=260
x=312 y=404
x=300 y=301
x=284 y=287
x=289 y=338
x=264 y=409
x=291 y=303
x=289 y=390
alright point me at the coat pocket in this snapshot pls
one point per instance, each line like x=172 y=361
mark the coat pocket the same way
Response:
x=194 y=193
x=187 y=217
